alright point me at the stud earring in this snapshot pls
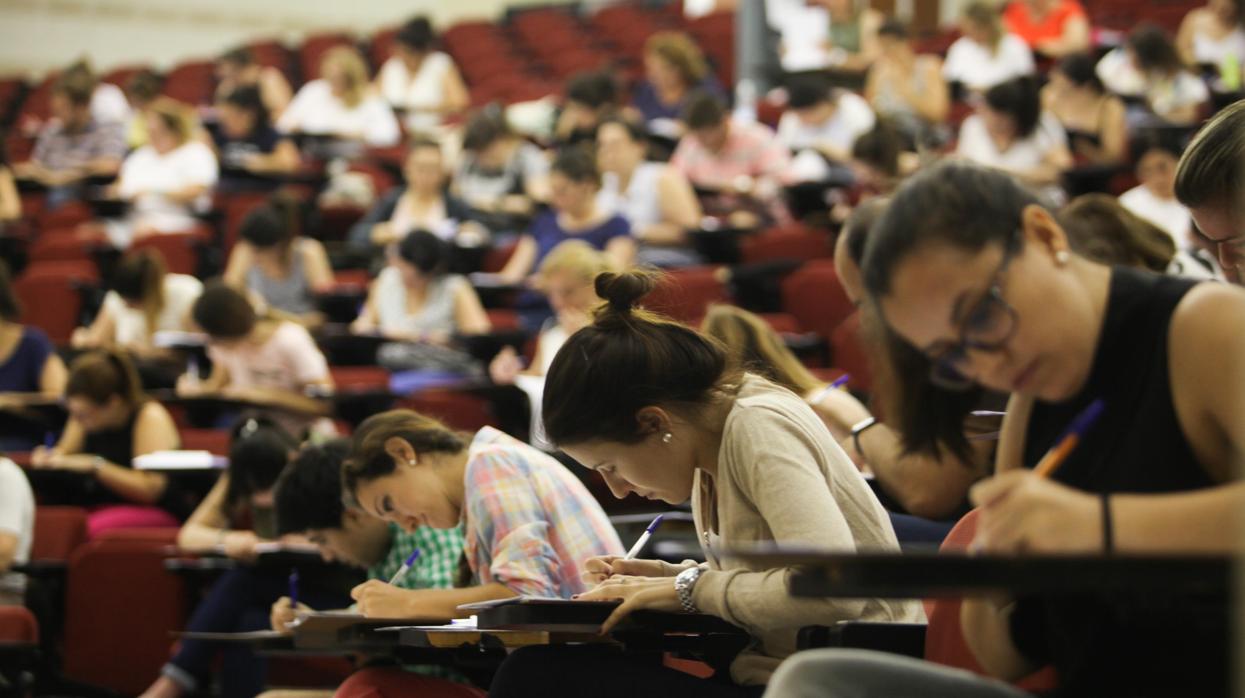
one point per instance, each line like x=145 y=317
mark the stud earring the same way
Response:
x=667 y=438
x=1062 y=257
x=411 y=462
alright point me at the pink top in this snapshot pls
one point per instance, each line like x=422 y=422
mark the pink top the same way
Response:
x=289 y=360
x=751 y=150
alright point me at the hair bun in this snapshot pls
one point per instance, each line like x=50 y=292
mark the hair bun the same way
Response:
x=621 y=291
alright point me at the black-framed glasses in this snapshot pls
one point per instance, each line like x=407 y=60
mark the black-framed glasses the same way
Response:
x=988 y=326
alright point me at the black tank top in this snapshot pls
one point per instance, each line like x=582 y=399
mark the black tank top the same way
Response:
x=1124 y=645
x=117 y=447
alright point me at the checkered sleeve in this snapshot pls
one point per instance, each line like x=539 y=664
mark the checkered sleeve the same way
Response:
x=437 y=566
x=513 y=526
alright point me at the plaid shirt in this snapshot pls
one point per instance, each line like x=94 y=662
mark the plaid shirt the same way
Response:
x=750 y=149
x=530 y=524
x=58 y=149
x=437 y=566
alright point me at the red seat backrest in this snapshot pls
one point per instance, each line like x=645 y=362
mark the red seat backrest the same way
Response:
x=50 y=298
x=851 y=354
x=58 y=532
x=815 y=297
x=120 y=606
x=944 y=639
x=18 y=626
x=685 y=294
x=180 y=250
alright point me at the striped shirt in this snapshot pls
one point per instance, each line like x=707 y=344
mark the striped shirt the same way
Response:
x=437 y=566
x=58 y=149
x=751 y=150
x=529 y=522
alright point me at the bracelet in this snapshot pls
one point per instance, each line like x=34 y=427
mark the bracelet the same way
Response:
x=859 y=428
x=97 y=464
x=1108 y=535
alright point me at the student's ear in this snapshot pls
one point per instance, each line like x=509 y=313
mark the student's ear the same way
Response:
x=401 y=451
x=1043 y=232
x=652 y=420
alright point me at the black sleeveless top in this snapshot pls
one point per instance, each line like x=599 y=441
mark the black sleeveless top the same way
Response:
x=1143 y=645
x=117 y=447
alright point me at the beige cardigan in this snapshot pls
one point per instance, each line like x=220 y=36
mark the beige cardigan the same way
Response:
x=781 y=477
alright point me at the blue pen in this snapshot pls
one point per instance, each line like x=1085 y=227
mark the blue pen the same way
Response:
x=406 y=567
x=834 y=385
x=294 y=588
x=643 y=539
x=49 y=440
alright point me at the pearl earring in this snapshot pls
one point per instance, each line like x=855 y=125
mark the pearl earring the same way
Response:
x=411 y=462
x=667 y=438
x=1062 y=257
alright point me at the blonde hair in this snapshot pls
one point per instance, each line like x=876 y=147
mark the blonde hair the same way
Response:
x=678 y=49
x=987 y=17
x=175 y=116
x=350 y=63
x=577 y=258
x=752 y=345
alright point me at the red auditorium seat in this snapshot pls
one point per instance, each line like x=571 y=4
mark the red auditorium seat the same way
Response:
x=193 y=82
x=49 y=292
x=685 y=294
x=180 y=250
x=58 y=532
x=234 y=208
x=18 y=626
x=457 y=409
x=849 y=352
x=121 y=76
x=215 y=441
x=108 y=579
x=359 y=377
x=381 y=47
x=790 y=242
x=944 y=641
x=815 y=297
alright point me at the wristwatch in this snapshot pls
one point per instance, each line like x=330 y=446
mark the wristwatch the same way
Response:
x=859 y=428
x=684 y=585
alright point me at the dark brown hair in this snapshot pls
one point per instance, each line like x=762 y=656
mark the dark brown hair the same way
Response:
x=1102 y=230
x=99 y=375
x=628 y=359
x=139 y=277
x=964 y=206
x=223 y=312
x=370 y=460
x=1212 y=169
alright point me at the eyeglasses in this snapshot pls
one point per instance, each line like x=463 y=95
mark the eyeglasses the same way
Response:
x=988 y=326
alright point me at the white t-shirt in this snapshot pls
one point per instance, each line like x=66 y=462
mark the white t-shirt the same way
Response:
x=148 y=175
x=315 y=110
x=1214 y=51
x=180 y=293
x=1120 y=75
x=853 y=118
x=425 y=89
x=803 y=31
x=973 y=64
x=109 y=105
x=640 y=204
x=976 y=145
x=17 y=517
x=1168 y=214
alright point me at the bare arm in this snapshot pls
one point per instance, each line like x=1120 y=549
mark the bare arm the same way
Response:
x=934 y=103
x=379 y=600
x=240 y=260
x=456 y=96
x=10 y=202
x=316 y=264
x=276 y=92
x=207 y=526
x=369 y=319
x=8 y=550
x=99 y=334
x=1184 y=37
x=282 y=160
x=153 y=431
x=986 y=625
x=680 y=210
x=469 y=314
x=521 y=260
x=187 y=195
x=622 y=250
x=53 y=377
x=929 y=486
x=1010 y=453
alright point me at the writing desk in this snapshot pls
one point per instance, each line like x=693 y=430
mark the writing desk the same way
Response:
x=926 y=574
